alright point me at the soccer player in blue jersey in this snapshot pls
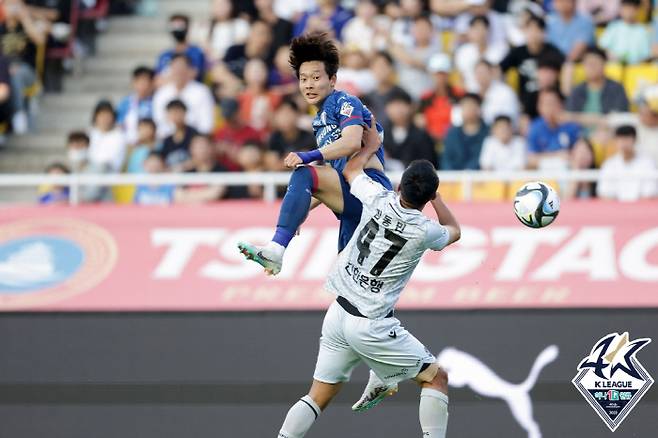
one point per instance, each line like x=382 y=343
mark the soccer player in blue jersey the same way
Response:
x=338 y=128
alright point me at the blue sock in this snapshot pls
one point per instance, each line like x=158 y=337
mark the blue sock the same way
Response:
x=296 y=203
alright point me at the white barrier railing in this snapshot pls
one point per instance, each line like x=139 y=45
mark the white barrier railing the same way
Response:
x=270 y=180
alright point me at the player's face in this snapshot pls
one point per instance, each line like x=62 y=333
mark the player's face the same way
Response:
x=314 y=83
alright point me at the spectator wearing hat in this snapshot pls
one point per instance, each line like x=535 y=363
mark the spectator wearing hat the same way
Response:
x=197 y=98
x=477 y=47
x=625 y=39
x=568 y=30
x=597 y=95
x=404 y=141
x=463 y=143
x=498 y=98
x=179 y=25
x=549 y=138
x=382 y=66
x=436 y=106
x=628 y=162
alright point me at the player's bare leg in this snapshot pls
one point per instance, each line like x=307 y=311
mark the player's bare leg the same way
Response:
x=306 y=182
x=374 y=393
x=433 y=407
x=302 y=414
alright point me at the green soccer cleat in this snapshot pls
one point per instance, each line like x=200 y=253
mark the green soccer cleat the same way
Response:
x=374 y=393
x=265 y=257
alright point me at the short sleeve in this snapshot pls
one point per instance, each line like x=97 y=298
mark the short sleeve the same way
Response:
x=365 y=188
x=437 y=236
x=350 y=111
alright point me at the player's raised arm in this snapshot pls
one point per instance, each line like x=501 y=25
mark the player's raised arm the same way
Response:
x=446 y=218
x=371 y=143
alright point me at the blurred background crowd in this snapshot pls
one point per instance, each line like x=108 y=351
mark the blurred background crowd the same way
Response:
x=468 y=84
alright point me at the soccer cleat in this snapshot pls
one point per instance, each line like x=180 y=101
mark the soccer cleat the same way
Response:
x=374 y=393
x=265 y=257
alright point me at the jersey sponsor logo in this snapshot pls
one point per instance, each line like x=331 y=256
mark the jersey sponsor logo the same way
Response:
x=46 y=260
x=466 y=370
x=346 y=109
x=612 y=379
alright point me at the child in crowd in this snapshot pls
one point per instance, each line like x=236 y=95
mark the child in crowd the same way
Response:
x=146 y=143
x=625 y=39
x=502 y=150
x=154 y=194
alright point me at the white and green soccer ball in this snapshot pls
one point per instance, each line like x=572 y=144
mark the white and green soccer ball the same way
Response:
x=536 y=204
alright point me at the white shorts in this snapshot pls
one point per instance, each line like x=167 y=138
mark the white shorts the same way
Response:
x=384 y=345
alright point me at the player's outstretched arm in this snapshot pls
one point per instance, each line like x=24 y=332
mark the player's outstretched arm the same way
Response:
x=346 y=145
x=446 y=218
x=371 y=143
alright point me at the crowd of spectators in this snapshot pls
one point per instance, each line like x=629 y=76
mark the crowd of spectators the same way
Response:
x=467 y=84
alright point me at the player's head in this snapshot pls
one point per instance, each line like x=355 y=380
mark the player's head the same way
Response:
x=314 y=58
x=419 y=184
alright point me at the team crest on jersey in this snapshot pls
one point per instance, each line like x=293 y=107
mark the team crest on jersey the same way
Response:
x=612 y=379
x=346 y=109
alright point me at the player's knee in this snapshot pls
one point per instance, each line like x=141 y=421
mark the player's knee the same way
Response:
x=441 y=378
x=303 y=178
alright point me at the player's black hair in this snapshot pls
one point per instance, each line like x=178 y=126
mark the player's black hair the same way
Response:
x=316 y=46
x=419 y=183
x=635 y=3
x=538 y=21
x=626 y=131
x=399 y=95
x=181 y=17
x=77 y=137
x=143 y=70
x=596 y=51
x=472 y=96
x=176 y=104
x=502 y=118
x=101 y=106
x=480 y=19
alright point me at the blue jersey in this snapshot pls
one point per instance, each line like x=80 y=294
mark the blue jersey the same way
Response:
x=338 y=111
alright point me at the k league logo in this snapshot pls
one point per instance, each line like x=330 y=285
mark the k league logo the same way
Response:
x=611 y=378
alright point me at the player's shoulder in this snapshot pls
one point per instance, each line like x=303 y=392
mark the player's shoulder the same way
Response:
x=343 y=100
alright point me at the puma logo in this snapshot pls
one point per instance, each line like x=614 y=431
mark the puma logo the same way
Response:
x=466 y=370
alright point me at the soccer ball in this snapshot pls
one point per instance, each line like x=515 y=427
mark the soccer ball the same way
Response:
x=536 y=204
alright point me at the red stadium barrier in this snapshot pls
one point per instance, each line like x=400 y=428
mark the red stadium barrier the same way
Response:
x=596 y=254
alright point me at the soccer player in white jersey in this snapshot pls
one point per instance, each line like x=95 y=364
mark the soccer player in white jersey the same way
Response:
x=368 y=278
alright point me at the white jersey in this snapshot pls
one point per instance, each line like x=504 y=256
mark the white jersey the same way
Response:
x=387 y=245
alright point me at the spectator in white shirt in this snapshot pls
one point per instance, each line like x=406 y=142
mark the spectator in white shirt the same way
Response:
x=502 y=150
x=626 y=162
x=225 y=30
x=196 y=96
x=477 y=47
x=498 y=98
x=367 y=31
x=107 y=144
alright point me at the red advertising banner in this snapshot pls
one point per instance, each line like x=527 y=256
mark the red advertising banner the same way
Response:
x=116 y=258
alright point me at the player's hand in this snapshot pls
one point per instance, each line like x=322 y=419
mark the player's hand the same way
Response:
x=370 y=138
x=292 y=160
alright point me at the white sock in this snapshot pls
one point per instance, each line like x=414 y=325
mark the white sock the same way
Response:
x=275 y=248
x=433 y=413
x=300 y=418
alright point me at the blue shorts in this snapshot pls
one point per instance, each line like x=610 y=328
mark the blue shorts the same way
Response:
x=351 y=215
